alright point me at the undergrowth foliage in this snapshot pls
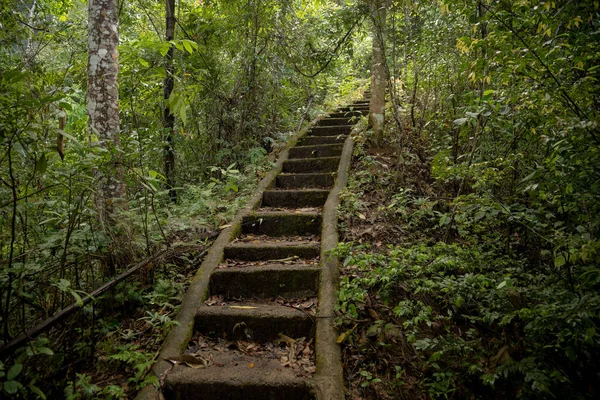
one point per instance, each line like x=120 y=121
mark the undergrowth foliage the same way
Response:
x=471 y=241
x=466 y=320
x=464 y=312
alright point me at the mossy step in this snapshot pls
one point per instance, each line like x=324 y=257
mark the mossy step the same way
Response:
x=360 y=102
x=236 y=377
x=331 y=130
x=252 y=321
x=294 y=198
x=337 y=121
x=282 y=223
x=273 y=280
x=315 y=151
x=309 y=180
x=308 y=165
x=314 y=140
x=271 y=251
x=361 y=108
x=347 y=114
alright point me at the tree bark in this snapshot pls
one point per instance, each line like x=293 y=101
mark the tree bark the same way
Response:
x=168 y=117
x=103 y=109
x=378 y=73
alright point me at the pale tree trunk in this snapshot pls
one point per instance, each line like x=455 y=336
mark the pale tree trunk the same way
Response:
x=168 y=117
x=103 y=112
x=29 y=45
x=378 y=73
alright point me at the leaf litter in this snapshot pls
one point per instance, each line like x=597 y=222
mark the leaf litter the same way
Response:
x=295 y=353
x=293 y=210
x=249 y=238
x=294 y=260
x=307 y=305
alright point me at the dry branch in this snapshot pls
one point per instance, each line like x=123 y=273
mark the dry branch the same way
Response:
x=65 y=312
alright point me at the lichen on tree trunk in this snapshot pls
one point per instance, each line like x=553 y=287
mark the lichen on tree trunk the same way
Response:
x=378 y=73
x=103 y=107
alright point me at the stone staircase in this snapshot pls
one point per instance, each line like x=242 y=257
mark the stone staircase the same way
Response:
x=264 y=328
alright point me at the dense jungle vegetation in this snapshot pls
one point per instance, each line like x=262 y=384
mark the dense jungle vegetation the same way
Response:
x=469 y=267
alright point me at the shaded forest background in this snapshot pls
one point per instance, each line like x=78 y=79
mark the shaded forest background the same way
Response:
x=492 y=198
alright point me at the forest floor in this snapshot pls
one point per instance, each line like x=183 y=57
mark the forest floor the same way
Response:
x=118 y=350
x=435 y=302
x=374 y=349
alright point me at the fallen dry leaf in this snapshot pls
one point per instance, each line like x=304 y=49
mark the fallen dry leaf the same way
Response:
x=190 y=360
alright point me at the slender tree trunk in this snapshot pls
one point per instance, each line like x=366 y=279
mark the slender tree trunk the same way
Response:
x=168 y=117
x=103 y=110
x=29 y=45
x=378 y=73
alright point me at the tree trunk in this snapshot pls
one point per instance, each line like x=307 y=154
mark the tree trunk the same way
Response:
x=168 y=117
x=377 y=105
x=103 y=110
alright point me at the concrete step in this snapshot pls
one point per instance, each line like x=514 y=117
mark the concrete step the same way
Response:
x=360 y=108
x=330 y=130
x=273 y=252
x=315 y=151
x=309 y=180
x=337 y=121
x=272 y=280
x=347 y=114
x=294 y=198
x=311 y=165
x=237 y=377
x=282 y=223
x=315 y=140
x=249 y=320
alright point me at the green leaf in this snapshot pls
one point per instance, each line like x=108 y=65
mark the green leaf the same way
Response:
x=164 y=48
x=41 y=164
x=188 y=46
x=143 y=62
x=445 y=220
x=37 y=390
x=77 y=298
x=44 y=350
x=65 y=106
x=530 y=176
x=63 y=284
x=65 y=134
x=11 y=387
x=460 y=121
x=178 y=45
x=14 y=371
x=479 y=215
x=183 y=114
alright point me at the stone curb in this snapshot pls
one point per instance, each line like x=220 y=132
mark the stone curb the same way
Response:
x=329 y=376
